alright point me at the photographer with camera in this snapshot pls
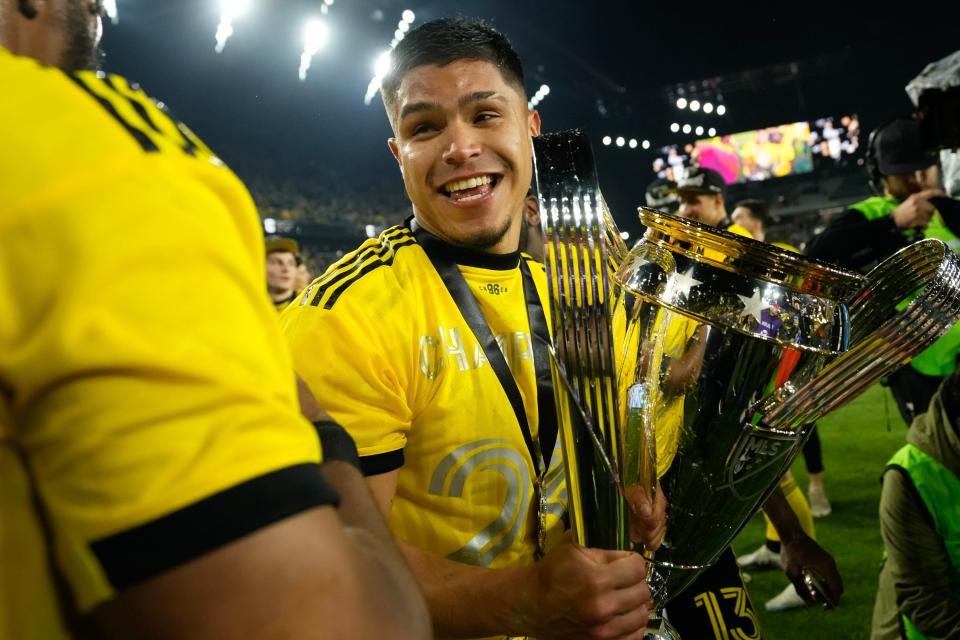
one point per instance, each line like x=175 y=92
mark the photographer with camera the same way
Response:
x=911 y=206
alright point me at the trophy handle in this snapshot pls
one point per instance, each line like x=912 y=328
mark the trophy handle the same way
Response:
x=882 y=336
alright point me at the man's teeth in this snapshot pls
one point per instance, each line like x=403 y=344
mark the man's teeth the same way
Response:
x=469 y=183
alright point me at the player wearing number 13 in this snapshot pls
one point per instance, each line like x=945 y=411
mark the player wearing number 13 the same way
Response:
x=429 y=345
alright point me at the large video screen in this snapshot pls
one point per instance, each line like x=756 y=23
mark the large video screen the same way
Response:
x=751 y=156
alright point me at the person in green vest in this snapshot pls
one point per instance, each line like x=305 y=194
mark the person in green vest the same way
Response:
x=911 y=206
x=918 y=595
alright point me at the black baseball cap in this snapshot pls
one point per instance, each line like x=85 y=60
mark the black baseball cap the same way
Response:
x=662 y=194
x=898 y=148
x=702 y=181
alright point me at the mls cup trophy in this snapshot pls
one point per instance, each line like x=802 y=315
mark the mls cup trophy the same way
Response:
x=696 y=362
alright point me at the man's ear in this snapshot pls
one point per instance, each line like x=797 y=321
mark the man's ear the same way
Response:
x=533 y=119
x=531 y=210
x=395 y=150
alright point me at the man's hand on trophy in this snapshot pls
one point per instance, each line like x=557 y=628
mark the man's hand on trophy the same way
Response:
x=579 y=592
x=812 y=570
x=648 y=517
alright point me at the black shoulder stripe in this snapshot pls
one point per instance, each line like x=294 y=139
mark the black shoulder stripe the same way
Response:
x=145 y=551
x=350 y=263
x=139 y=135
x=370 y=266
x=142 y=105
x=351 y=268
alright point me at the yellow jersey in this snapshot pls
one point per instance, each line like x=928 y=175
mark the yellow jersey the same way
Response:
x=386 y=351
x=148 y=408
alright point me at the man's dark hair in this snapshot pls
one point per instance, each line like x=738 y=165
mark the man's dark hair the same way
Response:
x=440 y=42
x=758 y=209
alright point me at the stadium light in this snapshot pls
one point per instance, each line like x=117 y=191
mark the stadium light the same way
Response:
x=687 y=128
x=674 y=127
x=708 y=107
x=403 y=26
x=314 y=37
x=110 y=8
x=625 y=235
x=712 y=132
x=607 y=140
x=645 y=144
x=681 y=103
x=545 y=89
x=621 y=141
x=699 y=130
x=694 y=105
x=721 y=110
x=230 y=9
x=408 y=16
x=269 y=225
x=633 y=143
x=382 y=64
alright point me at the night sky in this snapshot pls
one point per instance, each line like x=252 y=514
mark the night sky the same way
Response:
x=613 y=68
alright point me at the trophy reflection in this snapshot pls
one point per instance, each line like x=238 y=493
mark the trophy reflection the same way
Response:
x=695 y=363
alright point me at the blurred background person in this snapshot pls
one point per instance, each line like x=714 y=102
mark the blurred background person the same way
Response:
x=282 y=265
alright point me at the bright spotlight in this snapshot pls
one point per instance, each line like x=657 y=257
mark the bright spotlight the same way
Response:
x=708 y=107
x=398 y=35
x=694 y=105
x=110 y=8
x=621 y=141
x=712 y=132
x=687 y=128
x=230 y=9
x=328 y=2
x=382 y=65
x=408 y=16
x=314 y=37
x=625 y=235
x=681 y=103
x=403 y=26
x=544 y=89
x=269 y=225
x=607 y=140
x=674 y=127
x=699 y=131
x=633 y=143
x=645 y=144
x=721 y=110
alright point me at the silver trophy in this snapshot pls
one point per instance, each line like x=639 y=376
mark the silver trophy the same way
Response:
x=698 y=360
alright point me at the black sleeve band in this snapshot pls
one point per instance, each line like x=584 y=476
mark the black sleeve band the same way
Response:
x=381 y=463
x=336 y=443
x=143 y=552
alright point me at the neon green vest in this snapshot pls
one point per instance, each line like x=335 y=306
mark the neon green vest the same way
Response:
x=940 y=358
x=939 y=489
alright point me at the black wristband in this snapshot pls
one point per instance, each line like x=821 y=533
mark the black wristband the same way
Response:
x=336 y=443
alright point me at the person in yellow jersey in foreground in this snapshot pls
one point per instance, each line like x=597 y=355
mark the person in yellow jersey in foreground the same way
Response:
x=439 y=368
x=156 y=477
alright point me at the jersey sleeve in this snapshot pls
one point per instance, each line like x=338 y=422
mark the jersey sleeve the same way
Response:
x=144 y=373
x=354 y=365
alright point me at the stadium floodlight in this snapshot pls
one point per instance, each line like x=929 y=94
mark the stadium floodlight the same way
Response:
x=314 y=37
x=607 y=140
x=110 y=8
x=674 y=127
x=545 y=89
x=633 y=143
x=230 y=9
x=687 y=128
x=328 y=2
x=408 y=16
x=403 y=26
x=711 y=132
x=625 y=235
x=694 y=105
x=708 y=107
x=382 y=65
x=269 y=225
x=721 y=110
x=699 y=130
x=645 y=144
x=681 y=103
x=621 y=141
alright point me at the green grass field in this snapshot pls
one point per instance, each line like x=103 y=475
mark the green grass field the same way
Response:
x=857 y=442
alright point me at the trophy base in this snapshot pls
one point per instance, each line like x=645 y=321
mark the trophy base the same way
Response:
x=659 y=629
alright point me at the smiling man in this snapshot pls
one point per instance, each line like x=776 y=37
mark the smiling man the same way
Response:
x=428 y=345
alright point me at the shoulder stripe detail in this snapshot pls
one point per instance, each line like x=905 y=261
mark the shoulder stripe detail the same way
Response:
x=382 y=258
x=352 y=265
x=143 y=105
x=144 y=140
x=366 y=250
